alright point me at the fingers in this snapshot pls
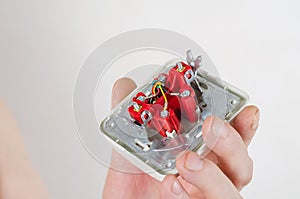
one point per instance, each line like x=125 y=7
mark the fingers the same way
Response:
x=172 y=189
x=121 y=89
x=232 y=152
x=246 y=123
x=206 y=176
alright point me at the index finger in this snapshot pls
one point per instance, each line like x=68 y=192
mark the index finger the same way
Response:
x=206 y=176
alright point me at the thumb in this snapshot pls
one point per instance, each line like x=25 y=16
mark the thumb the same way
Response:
x=121 y=89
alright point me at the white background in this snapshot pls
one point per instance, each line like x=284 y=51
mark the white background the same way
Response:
x=255 y=45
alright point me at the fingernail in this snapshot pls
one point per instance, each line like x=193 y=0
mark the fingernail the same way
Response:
x=255 y=120
x=176 y=187
x=193 y=162
x=219 y=128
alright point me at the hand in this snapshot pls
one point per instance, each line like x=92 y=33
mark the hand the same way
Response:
x=18 y=179
x=221 y=175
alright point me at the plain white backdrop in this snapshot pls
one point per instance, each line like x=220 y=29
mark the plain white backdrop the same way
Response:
x=255 y=45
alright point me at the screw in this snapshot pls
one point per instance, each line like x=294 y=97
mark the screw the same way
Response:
x=179 y=66
x=136 y=106
x=186 y=93
x=162 y=78
x=234 y=102
x=141 y=98
x=169 y=164
x=164 y=113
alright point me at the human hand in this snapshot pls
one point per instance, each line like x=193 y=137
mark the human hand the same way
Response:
x=221 y=174
x=18 y=178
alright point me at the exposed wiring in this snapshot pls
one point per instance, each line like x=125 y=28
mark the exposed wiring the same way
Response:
x=154 y=87
x=159 y=85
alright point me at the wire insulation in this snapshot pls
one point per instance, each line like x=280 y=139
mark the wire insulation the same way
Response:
x=159 y=85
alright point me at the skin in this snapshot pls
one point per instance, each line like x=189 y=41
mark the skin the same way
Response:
x=219 y=175
x=18 y=179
